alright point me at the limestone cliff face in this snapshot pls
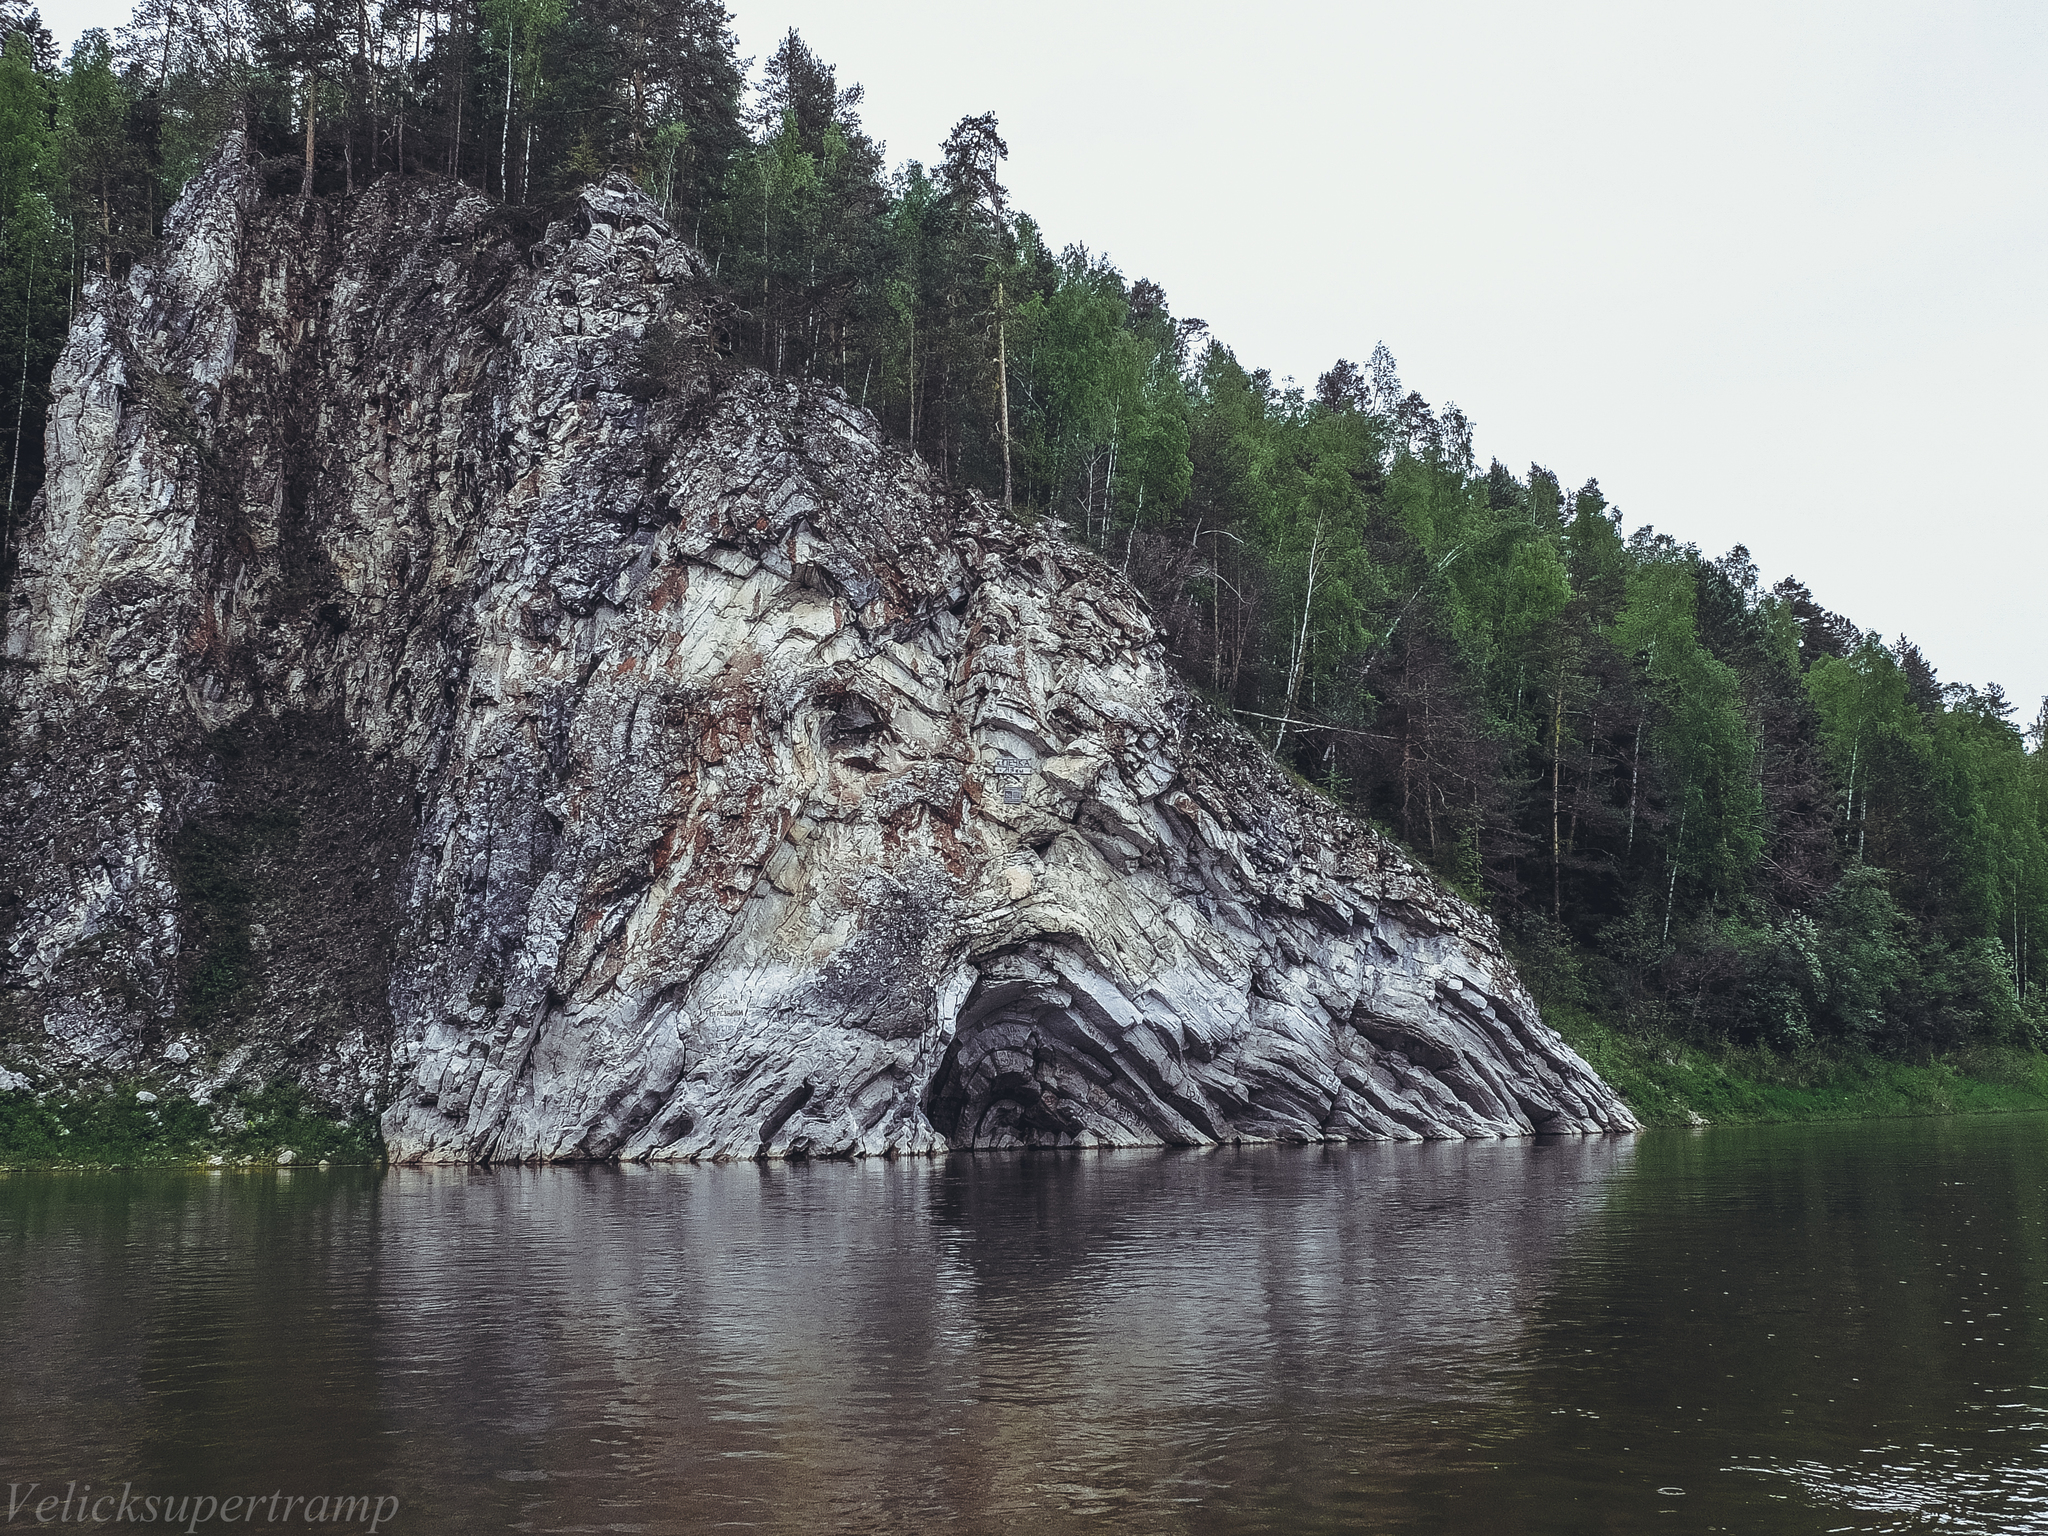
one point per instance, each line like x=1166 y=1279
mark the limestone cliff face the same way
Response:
x=436 y=674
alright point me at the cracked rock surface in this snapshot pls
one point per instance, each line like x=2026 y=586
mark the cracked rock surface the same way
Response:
x=437 y=674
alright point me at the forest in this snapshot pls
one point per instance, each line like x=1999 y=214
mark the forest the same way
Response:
x=1729 y=814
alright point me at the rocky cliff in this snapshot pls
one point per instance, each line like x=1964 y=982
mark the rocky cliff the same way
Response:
x=435 y=673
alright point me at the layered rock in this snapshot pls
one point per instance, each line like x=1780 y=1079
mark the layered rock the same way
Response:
x=436 y=672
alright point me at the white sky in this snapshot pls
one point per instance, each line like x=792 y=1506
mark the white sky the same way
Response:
x=1772 y=271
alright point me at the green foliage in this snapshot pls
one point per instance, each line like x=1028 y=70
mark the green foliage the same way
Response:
x=94 y=145
x=1868 y=957
x=1673 y=1081
x=34 y=264
x=120 y=1128
x=26 y=166
x=1703 y=737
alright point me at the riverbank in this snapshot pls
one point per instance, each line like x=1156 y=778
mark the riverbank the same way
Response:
x=133 y=1128
x=1666 y=1082
x=1672 y=1082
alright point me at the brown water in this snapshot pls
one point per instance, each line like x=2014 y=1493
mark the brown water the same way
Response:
x=1773 y=1330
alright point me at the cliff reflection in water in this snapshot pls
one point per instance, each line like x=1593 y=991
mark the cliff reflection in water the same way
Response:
x=833 y=1345
x=1183 y=1341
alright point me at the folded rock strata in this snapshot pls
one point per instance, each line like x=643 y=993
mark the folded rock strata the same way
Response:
x=436 y=673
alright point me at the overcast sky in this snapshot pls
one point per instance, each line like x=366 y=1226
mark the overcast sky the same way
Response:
x=1772 y=272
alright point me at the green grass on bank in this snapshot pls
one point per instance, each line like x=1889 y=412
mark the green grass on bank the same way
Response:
x=1668 y=1081
x=1671 y=1075
x=120 y=1128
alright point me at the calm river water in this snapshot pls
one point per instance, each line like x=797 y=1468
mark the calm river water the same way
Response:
x=1833 y=1328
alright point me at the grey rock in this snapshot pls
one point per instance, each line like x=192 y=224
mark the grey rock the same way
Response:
x=526 y=719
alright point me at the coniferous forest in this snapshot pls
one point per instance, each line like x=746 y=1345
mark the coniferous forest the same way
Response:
x=1707 y=809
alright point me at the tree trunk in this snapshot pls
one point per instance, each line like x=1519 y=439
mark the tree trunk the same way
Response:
x=505 y=128
x=1109 y=489
x=461 y=95
x=1671 y=893
x=1315 y=550
x=1003 y=395
x=20 y=410
x=398 y=126
x=1407 y=760
x=1635 y=773
x=1216 y=622
x=312 y=91
x=1556 y=781
x=1849 y=810
x=163 y=69
x=1428 y=778
x=367 y=78
x=1571 y=836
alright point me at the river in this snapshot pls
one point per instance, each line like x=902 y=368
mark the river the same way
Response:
x=1796 y=1329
